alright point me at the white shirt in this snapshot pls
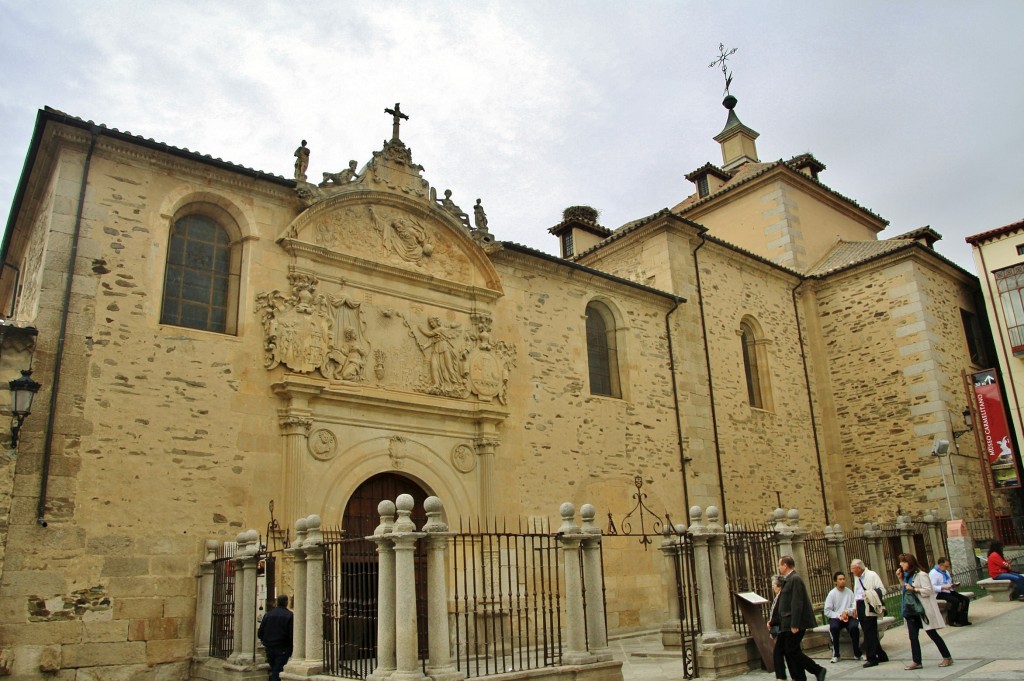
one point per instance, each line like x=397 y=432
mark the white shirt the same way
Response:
x=839 y=601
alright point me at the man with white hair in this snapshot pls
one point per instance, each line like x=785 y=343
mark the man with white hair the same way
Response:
x=868 y=591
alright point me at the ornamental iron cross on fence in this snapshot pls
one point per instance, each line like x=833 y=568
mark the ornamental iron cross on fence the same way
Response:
x=644 y=514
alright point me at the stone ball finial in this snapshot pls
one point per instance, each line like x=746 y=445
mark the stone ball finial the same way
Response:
x=680 y=529
x=568 y=513
x=778 y=514
x=405 y=502
x=567 y=510
x=432 y=505
x=588 y=512
x=712 y=514
x=793 y=514
x=211 y=550
x=696 y=513
x=313 y=522
x=301 y=525
x=386 y=509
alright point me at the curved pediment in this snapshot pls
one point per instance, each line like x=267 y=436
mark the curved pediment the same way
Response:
x=394 y=232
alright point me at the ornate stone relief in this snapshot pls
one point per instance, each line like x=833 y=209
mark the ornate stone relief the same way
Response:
x=401 y=235
x=323 y=444
x=308 y=331
x=397 y=450
x=463 y=458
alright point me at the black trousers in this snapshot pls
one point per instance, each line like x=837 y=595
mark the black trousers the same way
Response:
x=958 y=605
x=871 y=646
x=798 y=662
x=779 y=657
x=277 y=659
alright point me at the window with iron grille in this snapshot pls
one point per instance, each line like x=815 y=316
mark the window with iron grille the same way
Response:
x=602 y=352
x=1009 y=282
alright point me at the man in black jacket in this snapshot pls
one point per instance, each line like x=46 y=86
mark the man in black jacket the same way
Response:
x=276 y=636
x=795 y=617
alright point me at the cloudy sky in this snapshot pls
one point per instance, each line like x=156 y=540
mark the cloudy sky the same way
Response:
x=916 y=108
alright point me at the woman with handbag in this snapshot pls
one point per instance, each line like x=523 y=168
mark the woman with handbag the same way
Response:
x=774 y=624
x=920 y=610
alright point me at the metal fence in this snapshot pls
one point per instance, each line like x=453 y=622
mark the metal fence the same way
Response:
x=751 y=560
x=1007 y=529
x=222 y=629
x=685 y=573
x=507 y=595
x=818 y=570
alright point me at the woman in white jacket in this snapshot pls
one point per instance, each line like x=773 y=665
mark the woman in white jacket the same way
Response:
x=915 y=581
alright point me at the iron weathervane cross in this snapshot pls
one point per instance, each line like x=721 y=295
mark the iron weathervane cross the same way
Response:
x=723 y=55
x=397 y=117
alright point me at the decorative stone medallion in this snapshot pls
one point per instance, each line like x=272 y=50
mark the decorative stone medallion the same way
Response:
x=463 y=458
x=323 y=444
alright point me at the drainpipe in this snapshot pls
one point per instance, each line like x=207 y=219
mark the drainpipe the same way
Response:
x=59 y=353
x=810 y=401
x=711 y=383
x=675 y=400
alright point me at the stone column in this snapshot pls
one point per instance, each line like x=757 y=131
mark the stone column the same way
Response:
x=961 y=544
x=705 y=583
x=386 y=662
x=593 y=582
x=719 y=574
x=485 y=449
x=906 y=529
x=295 y=423
x=314 y=560
x=439 y=665
x=876 y=556
x=571 y=537
x=405 y=536
x=244 y=653
x=204 y=599
x=298 y=557
x=836 y=543
x=672 y=628
x=797 y=534
x=783 y=534
x=934 y=524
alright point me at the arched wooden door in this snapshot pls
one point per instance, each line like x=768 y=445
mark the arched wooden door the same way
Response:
x=351 y=574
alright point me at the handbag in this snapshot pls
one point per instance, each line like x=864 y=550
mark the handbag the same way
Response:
x=912 y=606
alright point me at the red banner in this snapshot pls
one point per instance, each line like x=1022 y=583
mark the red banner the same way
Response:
x=995 y=432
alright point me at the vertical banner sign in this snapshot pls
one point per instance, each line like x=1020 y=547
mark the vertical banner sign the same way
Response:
x=995 y=432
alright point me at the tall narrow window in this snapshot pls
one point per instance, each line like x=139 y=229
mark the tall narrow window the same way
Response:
x=975 y=339
x=602 y=353
x=567 y=245
x=1010 y=282
x=201 y=279
x=750 y=368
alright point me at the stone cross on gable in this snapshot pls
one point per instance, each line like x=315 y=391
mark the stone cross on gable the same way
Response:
x=397 y=115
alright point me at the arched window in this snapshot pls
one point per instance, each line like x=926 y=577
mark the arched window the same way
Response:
x=602 y=352
x=755 y=364
x=202 y=274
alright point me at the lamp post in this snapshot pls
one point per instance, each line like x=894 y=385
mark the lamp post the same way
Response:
x=23 y=391
x=941 y=449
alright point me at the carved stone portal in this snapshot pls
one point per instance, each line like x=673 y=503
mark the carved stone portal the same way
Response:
x=308 y=331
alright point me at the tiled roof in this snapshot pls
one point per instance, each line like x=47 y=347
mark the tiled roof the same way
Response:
x=849 y=253
x=708 y=168
x=749 y=171
x=992 y=233
x=592 y=227
x=925 y=232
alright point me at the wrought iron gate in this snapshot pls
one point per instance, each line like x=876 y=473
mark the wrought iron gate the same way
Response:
x=222 y=629
x=350 y=607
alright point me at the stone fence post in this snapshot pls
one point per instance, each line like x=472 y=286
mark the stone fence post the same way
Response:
x=836 y=544
x=314 y=559
x=243 y=654
x=712 y=630
x=405 y=536
x=798 y=535
x=571 y=537
x=386 y=661
x=715 y=533
x=783 y=534
x=672 y=628
x=905 y=526
x=876 y=556
x=933 y=522
x=299 y=597
x=961 y=544
x=593 y=580
x=204 y=599
x=439 y=664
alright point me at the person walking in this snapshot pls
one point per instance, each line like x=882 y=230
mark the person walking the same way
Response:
x=774 y=627
x=796 y=616
x=275 y=633
x=920 y=609
x=868 y=591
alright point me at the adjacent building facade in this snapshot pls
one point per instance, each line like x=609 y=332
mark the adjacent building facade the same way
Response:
x=213 y=338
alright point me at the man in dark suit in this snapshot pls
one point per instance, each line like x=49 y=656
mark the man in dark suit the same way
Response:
x=275 y=634
x=796 y=616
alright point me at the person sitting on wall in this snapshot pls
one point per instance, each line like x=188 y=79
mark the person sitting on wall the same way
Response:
x=945 y=590
x=1000 y=568
x=275 y=633
x=841 y=612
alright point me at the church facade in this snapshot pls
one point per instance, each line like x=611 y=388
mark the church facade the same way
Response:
x=212 y=338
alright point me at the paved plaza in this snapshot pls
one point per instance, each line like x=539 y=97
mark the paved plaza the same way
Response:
x=990 y=650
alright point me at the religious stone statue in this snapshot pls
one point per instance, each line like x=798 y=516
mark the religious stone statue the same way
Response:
x=452 y=208
x=403 y=236
x=445 y=359
x=346 y=361
x=344 y=177
x=301 y=162
x=479 y=217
